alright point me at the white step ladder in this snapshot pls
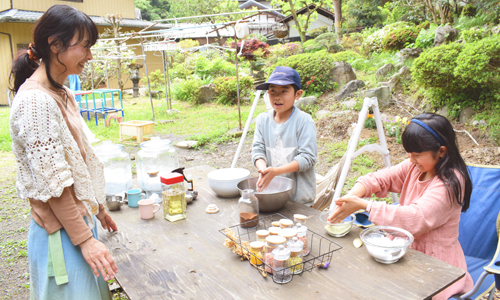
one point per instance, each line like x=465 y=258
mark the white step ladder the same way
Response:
x=353 y=143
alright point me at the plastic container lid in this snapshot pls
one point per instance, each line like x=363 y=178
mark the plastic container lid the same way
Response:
x=286 y=222
x=156 y=144
x=295 y=245
x=172 y=178
x=281 y=253
x=274 y=230
x=276 y=223
x=299 y=217
x=300 y=228
x=262 y=233
x=108 y=146
x=275 y=240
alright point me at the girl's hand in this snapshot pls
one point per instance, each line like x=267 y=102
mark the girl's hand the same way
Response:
x=265 y=177
x=98 y=258
x=345 y=207
x=106 y=221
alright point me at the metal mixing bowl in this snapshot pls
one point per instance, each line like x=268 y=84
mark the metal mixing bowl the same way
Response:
x=275 y=196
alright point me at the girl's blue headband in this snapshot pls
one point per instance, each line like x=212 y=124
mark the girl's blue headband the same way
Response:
x=428 y=128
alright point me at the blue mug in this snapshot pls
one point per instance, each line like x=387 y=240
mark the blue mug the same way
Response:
x=134 y=196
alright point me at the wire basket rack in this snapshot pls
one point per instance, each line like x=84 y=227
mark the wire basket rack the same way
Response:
x=321 y=249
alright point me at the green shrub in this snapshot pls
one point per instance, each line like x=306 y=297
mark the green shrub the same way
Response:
x=399 y=38
x=423 y=25
x=346 y=56
x=469 y=10
x=309 y=65
x=206 y=68
x=425 y=38
x=188 y=90
x=189 y=43
x=284 y=50
x=226 y=88
x=329 y=40
x=473 y=34
x=317 y=31
x=311 y=46
x=258 y=36
x=373 y=42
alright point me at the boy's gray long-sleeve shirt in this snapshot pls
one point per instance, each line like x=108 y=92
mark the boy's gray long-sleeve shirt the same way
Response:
x=279 y=144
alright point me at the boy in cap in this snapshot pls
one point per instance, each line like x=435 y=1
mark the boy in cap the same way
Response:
x=284 y=142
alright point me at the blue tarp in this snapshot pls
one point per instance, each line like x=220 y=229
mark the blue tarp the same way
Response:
x=477 y=231
x=75 y=85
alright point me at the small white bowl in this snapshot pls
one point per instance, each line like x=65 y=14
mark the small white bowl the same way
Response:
x=386 y=244
x=224 y=182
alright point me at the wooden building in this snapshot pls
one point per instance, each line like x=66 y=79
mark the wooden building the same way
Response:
x=18 y=16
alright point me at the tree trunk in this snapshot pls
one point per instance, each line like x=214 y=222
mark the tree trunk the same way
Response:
x=337 y=6
x=432 y=8
x=296 y=19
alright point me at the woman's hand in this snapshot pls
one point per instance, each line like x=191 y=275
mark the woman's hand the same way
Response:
x=265 y=177
x=98 y=258
x=106 y=221
x=346 y=206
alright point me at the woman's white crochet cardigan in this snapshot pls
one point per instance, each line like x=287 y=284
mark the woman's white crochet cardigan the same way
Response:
x=48 y=157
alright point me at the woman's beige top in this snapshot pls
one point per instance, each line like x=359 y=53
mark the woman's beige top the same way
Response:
x=57 y=170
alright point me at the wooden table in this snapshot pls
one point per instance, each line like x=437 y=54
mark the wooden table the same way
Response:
x=187 y=260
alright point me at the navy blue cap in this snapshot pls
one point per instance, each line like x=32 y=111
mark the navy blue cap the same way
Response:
x=281 y=76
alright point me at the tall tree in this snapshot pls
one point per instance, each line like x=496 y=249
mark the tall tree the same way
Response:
x=301 y=21
x=189 y=8
x=337 y=6
x=152 y=9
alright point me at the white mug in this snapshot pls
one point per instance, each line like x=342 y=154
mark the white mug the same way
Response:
x=147 y=209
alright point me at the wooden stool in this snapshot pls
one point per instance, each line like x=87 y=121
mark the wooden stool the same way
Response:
x=137 y=129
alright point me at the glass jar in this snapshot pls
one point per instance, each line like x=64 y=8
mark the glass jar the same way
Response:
x=298 y=218
x=286 y=223
x=274 y=230
x=174 y=197
x=272 y=242
x=281 y=265
x=261 y=235
x=157 y=157
x=249 y=209
x=288 y=233
x=256 y=249
x=296 y=248
x=117 y=167
x=302 y=235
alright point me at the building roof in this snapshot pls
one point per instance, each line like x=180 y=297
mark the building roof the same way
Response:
x=303 y=10
x=251 y=3
x=26 y=16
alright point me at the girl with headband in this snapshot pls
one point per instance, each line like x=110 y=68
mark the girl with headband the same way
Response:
x=435 y=188
x=57 y=170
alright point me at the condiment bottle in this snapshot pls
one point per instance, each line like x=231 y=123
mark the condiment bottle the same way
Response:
x=256 y=248
x=274 y=230
x=302 y=235
x=272 y=242
x=281 y=265
x=189 y=180
x=298 y=218
x=174 y=197
x=286 y=223
x=288 y=233
x=261 y=235
x=296 y=247
x=249 y=209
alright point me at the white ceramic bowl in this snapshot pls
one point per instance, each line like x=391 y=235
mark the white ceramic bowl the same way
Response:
x=224 y=181
x=386 y=244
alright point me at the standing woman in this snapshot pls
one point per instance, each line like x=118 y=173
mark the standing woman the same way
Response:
x=57 y=170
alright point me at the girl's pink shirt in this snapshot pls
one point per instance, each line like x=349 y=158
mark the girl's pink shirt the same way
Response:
x=425 y=210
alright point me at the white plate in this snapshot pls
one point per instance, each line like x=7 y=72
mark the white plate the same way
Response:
x=186 y=144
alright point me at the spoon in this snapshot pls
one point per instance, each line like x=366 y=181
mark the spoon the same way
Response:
x=357 y=242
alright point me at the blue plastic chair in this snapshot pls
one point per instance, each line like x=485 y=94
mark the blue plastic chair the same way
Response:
x=478 y=231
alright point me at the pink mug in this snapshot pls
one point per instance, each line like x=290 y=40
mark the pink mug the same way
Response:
x=147 y=209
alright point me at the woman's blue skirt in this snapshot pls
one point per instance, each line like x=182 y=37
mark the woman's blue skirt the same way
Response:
x=82 y=284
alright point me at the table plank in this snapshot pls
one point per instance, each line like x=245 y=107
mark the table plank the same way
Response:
x=186 y=259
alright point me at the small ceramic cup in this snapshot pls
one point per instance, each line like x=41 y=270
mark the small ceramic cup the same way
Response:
x=134 y=196
x=147 y=209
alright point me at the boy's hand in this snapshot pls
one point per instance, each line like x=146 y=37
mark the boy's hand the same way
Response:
x=265 y=177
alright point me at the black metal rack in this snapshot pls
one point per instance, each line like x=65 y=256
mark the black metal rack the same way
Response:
x=321 y=248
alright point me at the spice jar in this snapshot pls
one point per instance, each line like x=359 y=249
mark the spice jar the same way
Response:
x=286 y=223
x=272 y=242
x=302 y=235
x=281 y=265
x=274 y=230
x=296 y=247
x=288 y=233
x=256 y=248
x=261 y=235
x=174 y=197
x=249 y=209
x=298 y=218
x=117 y=167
